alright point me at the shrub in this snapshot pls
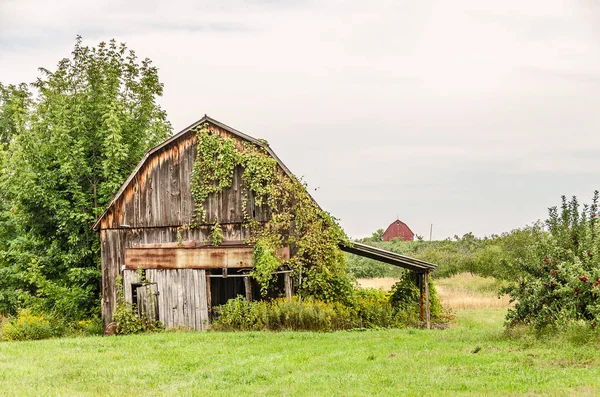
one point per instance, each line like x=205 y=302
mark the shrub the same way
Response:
x=93 y=326
x=563 y=284
x=238 y=314
x=281 y=314
x=306 y=315
x=374 y=309
x=127 y=319
x=368 y=308
x=27 y=326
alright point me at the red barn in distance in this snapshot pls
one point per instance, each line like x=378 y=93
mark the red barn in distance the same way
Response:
x=398 y=229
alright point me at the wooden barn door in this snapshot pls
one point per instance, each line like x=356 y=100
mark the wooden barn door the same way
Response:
x=182 y=297
x=147 y=301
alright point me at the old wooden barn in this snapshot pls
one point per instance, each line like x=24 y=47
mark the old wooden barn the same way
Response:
x=145 y=233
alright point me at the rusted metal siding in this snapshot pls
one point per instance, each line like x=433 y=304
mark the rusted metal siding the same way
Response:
x=398 y=229
x=192 y=258
x=188 y=258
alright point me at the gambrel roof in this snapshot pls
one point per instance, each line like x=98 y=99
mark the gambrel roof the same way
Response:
x=189 y=129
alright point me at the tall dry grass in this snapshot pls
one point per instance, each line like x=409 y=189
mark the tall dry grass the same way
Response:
x=461 y=291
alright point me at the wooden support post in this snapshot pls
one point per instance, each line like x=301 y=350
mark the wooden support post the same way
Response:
x=420 y=284
x=287 y=280
x=248 y=285
x=427 y=308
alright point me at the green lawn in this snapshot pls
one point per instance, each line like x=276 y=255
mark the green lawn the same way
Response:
x=471 y=358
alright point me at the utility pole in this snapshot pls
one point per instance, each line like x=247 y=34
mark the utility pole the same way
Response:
x=430 y=231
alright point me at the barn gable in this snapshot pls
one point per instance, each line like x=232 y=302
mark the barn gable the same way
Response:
x=158 y=191
x=398 y=229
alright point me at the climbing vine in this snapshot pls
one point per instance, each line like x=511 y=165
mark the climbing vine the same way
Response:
x=216 y=234
x=296 y=220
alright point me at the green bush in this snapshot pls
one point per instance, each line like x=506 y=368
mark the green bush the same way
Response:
x=374 y=309
x=562 y=284
x=128 y=321
x=126 y=317
x=89 y=327
x=238 y=314
x=27 y=326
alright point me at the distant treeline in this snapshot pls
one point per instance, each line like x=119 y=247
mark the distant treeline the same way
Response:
x=498 y=256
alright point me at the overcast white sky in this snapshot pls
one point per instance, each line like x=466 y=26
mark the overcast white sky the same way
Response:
x=472 y=115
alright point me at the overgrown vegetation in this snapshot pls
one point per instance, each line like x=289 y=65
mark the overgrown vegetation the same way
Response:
x=296 y=220
x=367 y=308
x=67 y=143
x=126 y=316
x=29 y=326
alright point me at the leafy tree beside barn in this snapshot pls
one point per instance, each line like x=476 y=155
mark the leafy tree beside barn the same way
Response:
x=67 y=142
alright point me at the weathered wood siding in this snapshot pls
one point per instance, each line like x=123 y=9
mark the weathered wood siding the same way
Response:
x=157 y=205
x=180 y=296
x=160 y=193
x=115 y=242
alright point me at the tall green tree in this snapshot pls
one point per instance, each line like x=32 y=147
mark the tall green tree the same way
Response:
x=90 y=122
x=15 y=103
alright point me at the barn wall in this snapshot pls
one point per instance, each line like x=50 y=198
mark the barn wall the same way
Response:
x=157 y=206
x=160 y=193
x=115 y=242
x=180 y=296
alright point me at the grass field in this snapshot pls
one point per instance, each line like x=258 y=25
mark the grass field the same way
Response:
x=473 y=357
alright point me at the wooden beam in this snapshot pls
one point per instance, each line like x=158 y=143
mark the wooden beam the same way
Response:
x=287 y=280
x=420 y=283
x=248 y=286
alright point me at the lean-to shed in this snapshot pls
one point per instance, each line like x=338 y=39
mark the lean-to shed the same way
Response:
x=145 y=233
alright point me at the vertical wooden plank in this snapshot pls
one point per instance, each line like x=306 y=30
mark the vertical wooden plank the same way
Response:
x=169 y=298
x=287 y=280
x=427 y=308
x=173 y=276
x=199 y=294
x=420 y=277
x=180 y=289
x=163 y=308
x=204 y=281
x=248 y=288
x=193 y=301
x=208 y=293
x=187 y=298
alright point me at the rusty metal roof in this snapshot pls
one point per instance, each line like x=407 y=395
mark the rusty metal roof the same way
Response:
x=387 y=257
